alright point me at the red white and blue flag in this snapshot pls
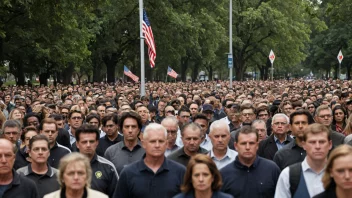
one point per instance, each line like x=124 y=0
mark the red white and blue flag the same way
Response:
x=128 y=73
x=149 y=39
x=171 y=72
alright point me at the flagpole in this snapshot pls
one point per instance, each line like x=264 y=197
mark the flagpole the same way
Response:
x=272 y=71
x=230 y=43
x=142 y=89
x=339 y=77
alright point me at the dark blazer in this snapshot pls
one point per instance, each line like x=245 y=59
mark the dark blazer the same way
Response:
x=216 y=194
x=337 y=138
x=267 y=148
x=328 y=193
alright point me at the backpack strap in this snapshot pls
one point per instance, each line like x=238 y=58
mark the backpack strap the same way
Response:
x=295 y=175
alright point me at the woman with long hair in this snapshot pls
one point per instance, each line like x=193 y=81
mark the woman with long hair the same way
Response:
x=337 y=179
x=339 y=119
x=202 y=179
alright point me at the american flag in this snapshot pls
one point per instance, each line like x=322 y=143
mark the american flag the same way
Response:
x=171 y=72
x=149 y=39
x=128 y=73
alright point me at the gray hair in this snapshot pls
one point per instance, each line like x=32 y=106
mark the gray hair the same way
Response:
x=280 y=115
x=219 y=124
x=258 y=122
x=153 y=127
x=171 y=119
x=11 y=124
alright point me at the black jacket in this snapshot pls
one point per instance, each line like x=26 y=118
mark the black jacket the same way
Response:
x=268 y=148
x=21 y=187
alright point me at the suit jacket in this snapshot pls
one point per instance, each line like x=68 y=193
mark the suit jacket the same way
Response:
x=337 y=138
x=268 y=148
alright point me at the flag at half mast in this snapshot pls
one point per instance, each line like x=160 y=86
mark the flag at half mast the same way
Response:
x=171 y=72
x=128 y=73
x=149 y=39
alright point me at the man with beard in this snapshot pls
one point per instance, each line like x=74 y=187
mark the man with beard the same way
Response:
x=144 y=113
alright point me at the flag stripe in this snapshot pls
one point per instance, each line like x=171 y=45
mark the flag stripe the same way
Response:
x=149 y=39
x=171 y=72
x=128 y=73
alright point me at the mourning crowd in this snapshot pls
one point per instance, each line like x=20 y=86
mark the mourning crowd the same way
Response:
x=259 y=139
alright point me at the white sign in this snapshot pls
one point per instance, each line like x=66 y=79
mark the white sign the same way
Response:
x=271 y=56
x=340 y=57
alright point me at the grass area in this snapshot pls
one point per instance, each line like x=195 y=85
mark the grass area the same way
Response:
x=12 y=82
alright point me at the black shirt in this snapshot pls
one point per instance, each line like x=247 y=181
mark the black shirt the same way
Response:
x=105 y=143
x=289 y=154
x=63 y=138
x=56 y=153
x=21 y=187
x=46 y=183
x=137 y=180
x=181 y=157
x=21 y=158
x=104 y=175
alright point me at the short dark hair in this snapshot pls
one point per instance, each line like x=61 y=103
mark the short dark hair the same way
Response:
x=301 y=112
x=246 y=130
x=56 y=117
x=87 y=128
x=183 y=109
x=37 y=138
x=47 y=121
x=247 y=106
x=92 y=116
x=75 y=111
x=111 y=116
x=130 y=114
x=28 y=115
x=200 y=116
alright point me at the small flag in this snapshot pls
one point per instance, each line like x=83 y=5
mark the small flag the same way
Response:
x=171 y=72
x=149 y=39
x=271 y=56
x=128 y=73
x=340 y=57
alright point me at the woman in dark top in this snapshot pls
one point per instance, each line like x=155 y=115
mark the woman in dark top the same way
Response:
x=202 y=179
x=337 y=179
x=339 y=119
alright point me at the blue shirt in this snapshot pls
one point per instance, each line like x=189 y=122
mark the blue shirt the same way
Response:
x=279 y=144
x=137 y=180
x=259 y=180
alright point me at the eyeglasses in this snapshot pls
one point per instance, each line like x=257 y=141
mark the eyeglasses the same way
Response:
x=171 y=112
x=172 y=132
x=279 y=123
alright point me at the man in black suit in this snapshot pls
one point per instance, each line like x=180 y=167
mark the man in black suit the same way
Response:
x=278 y=139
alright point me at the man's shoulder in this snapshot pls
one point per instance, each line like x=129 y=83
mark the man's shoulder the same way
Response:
x=267 y=164
x=23 y=171
x=175 y=154
x=63 y=148
x=114 y=148
x=175 y=166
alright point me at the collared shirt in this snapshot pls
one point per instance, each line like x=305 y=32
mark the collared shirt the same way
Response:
x=229 y=157
x=181 y=157
x=72 y=137
x=226 y=119
x=104 y=175
x=312 y=179
x=102 y=133
x=105 y=143
x=259 y=180
x=169 y=151
x=138 y=180
x=121 y=156
x=46 y=183
x=290 y=154
x=206 y=144
x=56 y=153
x=21 y=187
x=279 y=144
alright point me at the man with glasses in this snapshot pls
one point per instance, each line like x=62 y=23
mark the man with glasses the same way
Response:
x=228 y=103
x=278 y=139
x=169 y=111
x=144 y=113
x=11 y=130
x=311 y=108
x=44 y=176
x=324 y=116
x=171 y=125
x=191 y=139
x=75 y=120
x=183 y=116
x=263 y=114
x=49 y=128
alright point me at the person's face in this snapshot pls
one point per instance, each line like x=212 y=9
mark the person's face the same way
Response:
x=64 y=113
x=161 y=106
x=169 y=111
x=220 y=138
x=7 y=157
x=171 y=132
x=101 y=111
x=339 y=115
x=298 y=125
x=130 y=129
x=324 y=117
x=247 y=146
x=183 y=118
x=75 y=176
x=202 y=178
x=228 y=107
x=12 y=134
x=23 y=109
x=191 y=139
x=75 y=120
x=50 y=131
x=144 y=113
x=263 y=115
x=60 y=124
x=110 y=128
x=28 y=136
x=261 y=129
x=125 y=108
x=311 y=108
x=341 y=172
x=7 y=98
x=280 y=126
x=194 y=109
x=204 y=125
x=87 y=144
x=288 y=109
x=317 y=146
x=155 y=143
x=94 y=122
x=182 y=101
x=17 y=115
x=247 y=115
x=39 y=152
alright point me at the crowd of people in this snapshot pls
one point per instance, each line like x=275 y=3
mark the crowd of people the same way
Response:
x=204 y=139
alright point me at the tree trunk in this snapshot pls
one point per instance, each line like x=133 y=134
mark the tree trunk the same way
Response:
x=67 y=74
x=336 y=71
x=348 y=71
x=110 y=62
x=195 y=71
x=19 y=73
x=43 y=79
x=239 y=67
x=184 y=66
x=97 y=77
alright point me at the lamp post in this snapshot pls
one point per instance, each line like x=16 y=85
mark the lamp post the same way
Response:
x=230 y=58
